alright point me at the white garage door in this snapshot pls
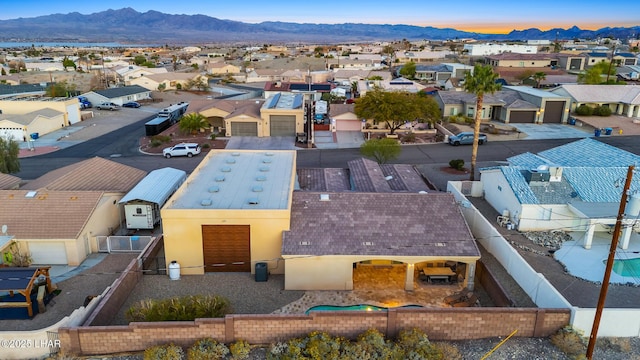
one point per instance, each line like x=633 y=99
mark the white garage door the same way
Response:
x=15 y=134
x=44 y=253
x=348 y=125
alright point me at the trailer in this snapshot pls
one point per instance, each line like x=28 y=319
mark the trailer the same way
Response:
x=156 y=125
x=142 y=204
x=174 y=112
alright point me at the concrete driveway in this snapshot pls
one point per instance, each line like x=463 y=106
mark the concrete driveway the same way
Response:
x=553 y=131
x=262 y=143
x=338 y=140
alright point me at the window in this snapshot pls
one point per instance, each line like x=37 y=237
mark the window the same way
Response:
x=138 y=211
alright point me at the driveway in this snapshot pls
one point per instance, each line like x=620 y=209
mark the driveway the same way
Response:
x=338 y=139
x=262 y=143
x=553 y=131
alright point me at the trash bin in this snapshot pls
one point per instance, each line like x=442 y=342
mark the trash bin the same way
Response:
x=597 y=132
x=35 y=136
x=262 y=273
x=572 y=121
x=174 y=270
x=608 y=131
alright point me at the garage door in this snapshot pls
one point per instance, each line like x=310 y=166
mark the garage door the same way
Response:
x=522 y=117
x=283 y=125
x=226 y=248
x=553 y=112
x=244 y=128
x=348 y=125
x=52 y=253
x=12 y=133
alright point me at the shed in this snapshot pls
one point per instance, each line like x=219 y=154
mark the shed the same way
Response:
x=142 y=204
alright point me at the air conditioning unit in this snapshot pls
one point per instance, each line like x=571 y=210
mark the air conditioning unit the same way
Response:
x=536 y=176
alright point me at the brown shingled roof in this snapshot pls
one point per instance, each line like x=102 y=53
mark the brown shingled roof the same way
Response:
x=394 y=224
x=95 y=174
x=8 y=182
x=48 y=214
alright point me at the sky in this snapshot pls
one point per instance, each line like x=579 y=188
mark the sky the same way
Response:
x=497 y=16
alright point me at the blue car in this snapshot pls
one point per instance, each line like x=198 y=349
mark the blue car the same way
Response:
x=466 y=138
x=131 y=104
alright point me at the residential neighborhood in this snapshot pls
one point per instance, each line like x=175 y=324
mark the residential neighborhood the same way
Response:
x=281 y=199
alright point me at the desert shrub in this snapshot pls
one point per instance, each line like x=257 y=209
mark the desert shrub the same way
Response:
x=584 y=110
x=207 y=349
x=409 y=138
x=206 y=146
x=569 y=340
x=164 y=352
x=183 y=308
x=414 y=344
x=457 y=164
x=602 y=111
x=240 y=350
x=212 y=136
x=321 y=346
x=618 y=344
x=448 y=351
x=161 y=138
x=373 y=343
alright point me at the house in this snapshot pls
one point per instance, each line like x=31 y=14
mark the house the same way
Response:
x=20 y=127
x=621 y=99
x=347 y=77
x=282 y=114
x=596 y=57
x=275 y=87
x=441 y=72
x=221 y=68
x=260 y=75
x=166 y=81
x=404 y=57
x=570 y=187
x=513 y=104
x=625 y=59
x=397 y=84
x=571 y=61
x=129 y=72
x=239 y=210
x=237 y=117
x=28 y=107
x=534 y=60
x=493 y=49
x=363 y=64
x=119 y=95
x=344 y=118
x=56 y=217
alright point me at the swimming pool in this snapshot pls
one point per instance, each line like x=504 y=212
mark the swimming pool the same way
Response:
x=626 y=267
x=362 y=307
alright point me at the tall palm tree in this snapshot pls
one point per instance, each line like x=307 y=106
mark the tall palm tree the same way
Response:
x=538 y=77
x=481 y=82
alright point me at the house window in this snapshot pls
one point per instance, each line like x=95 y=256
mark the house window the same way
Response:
x=138 y=211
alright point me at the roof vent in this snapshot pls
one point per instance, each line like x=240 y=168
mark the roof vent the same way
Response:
x=305 y=243
x=266 y=161
x=269 y=154
x=263 y=168
x=253 y=201
x=256 y=188
x=423 y=192
x=261 y=178
x=214 y=189
x=235 y=154
x=31 y=194
x=324 y=197
x=368 y=243
x=225 y=169
x=219 y=178
x=388 y=177
x=206 y=202
x=440 y=244
x=230 y=161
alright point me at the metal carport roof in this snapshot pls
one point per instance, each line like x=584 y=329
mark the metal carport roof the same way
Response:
x=157 y=186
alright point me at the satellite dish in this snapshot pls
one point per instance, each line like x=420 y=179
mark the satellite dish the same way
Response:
x=4 y=229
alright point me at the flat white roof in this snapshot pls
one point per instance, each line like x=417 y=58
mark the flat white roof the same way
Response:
x=237 y=179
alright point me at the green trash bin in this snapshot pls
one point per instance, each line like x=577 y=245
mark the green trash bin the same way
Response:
x=262 y=273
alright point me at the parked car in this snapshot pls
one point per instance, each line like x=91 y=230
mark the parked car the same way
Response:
x=466 y=138
x=108 y=106
x=182 y=149
x=131 y=104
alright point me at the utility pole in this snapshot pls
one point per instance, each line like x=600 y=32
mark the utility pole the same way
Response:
x=607 y=271
x=613 y=52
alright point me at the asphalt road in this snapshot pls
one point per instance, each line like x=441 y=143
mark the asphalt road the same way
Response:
x=122 y=146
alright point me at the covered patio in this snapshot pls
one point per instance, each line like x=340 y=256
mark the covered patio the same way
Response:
x=601 y=218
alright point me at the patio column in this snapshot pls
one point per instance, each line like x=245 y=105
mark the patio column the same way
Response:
x=469 y=279
x=408 y=279
x=588 y=237
x=626 y=236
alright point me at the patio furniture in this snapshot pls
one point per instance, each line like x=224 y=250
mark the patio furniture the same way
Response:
x=437 y=273
x=22 y=280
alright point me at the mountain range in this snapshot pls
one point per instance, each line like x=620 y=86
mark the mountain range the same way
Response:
x=129 y=26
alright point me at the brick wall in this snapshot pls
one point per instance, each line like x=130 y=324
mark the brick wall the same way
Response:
x=438 y=324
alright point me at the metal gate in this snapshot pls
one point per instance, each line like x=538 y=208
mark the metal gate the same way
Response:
x=111 y=244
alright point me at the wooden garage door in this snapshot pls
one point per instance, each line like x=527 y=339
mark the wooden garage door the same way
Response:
x=48 y=253
x=283 y=125
x=553 y=112
x=522 y=117
x=244 y=128
x=228 y=247
x=348 y=125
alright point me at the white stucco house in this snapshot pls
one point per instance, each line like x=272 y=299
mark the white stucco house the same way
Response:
x=573 y=187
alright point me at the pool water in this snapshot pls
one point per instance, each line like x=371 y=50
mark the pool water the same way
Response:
x=363 y=307
x=626 y=267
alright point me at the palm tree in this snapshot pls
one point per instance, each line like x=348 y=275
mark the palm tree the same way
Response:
x=539 y=76
x=192 y=123
x=481 y=82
